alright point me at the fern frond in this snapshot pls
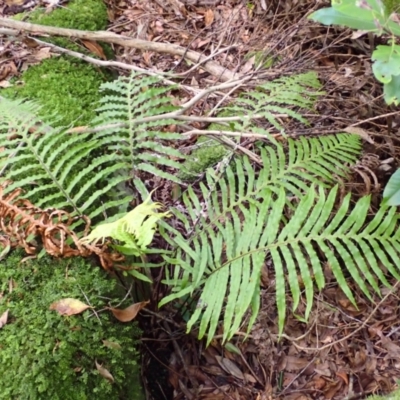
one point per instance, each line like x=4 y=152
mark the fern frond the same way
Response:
x=139 y=144
x=276 y=96
x=54 y=168
x=226 y=241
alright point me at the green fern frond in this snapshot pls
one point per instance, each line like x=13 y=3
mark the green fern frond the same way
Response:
x=54 y=168
x=227 y=238
x=275 y=96
x=347 y=242
x=139 y=144
x=75 y=171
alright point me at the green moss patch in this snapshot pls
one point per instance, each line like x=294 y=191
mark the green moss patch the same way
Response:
x=88 y=15
x=208 y=153
x=85 y=15
x=44 y=355
x=64 y=85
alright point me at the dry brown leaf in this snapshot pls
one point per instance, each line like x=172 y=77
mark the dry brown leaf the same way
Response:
x=95 y=48
x=230 y=367
x=250 y=378
x=3 y=319
x=128 y=314
x=5 y=84
x=294 y=363
x=69 y=306
x=392 y=348
x=43 y=53
x=360 y=132
x=343 y=375
x=112 y=345
x=332 y=389
x=104 y=372
x=248 y=65
x=208 y=17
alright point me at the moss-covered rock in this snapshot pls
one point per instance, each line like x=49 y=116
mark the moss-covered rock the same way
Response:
x=88 y=15
x=44 y=355
x=64 y=85
x=208 y=153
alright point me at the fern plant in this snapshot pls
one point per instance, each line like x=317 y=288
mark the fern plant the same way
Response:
x=282 y=211
x=54 y=168
x=85 y=173
x=227 y=238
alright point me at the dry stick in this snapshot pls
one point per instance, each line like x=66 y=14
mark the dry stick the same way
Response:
x=173 y=114
x=116 y=64
x=377 y=117
x=109 y=37
x=230 y=133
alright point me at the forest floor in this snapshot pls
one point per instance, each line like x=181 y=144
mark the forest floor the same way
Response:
x=341 y=352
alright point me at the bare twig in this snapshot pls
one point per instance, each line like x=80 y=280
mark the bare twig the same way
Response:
x=115 y=64
x=230 y=133
x=177 y=114
x=108 y=37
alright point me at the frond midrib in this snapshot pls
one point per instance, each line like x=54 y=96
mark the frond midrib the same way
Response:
x=308 y=239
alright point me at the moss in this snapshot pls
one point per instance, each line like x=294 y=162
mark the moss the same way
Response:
x=64 y=85
x=85 y=15
x=46 y=355
x=208 y=153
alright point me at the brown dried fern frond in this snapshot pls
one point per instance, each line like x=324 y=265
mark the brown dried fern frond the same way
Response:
x=24 y=225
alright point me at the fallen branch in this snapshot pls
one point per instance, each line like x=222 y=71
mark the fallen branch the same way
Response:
x=108 y=37
x=112 y=64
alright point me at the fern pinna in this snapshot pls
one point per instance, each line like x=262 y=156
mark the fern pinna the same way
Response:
x=226 y=241
x=275 y=97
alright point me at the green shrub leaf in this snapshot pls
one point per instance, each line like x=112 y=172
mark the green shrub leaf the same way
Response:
x=391 y=194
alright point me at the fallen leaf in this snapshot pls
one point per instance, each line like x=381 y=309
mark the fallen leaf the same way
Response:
x=43 y=53
x=248 y=65
x=3 y=319
x=95 y=48
x=104 y=372
x=69 y=306
x=343 y=375
x=208 y=17
x=360 y=132
x=128 y=314
x=5 y=84
x=230 y=367
x=294 y=364
x=112 y=345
